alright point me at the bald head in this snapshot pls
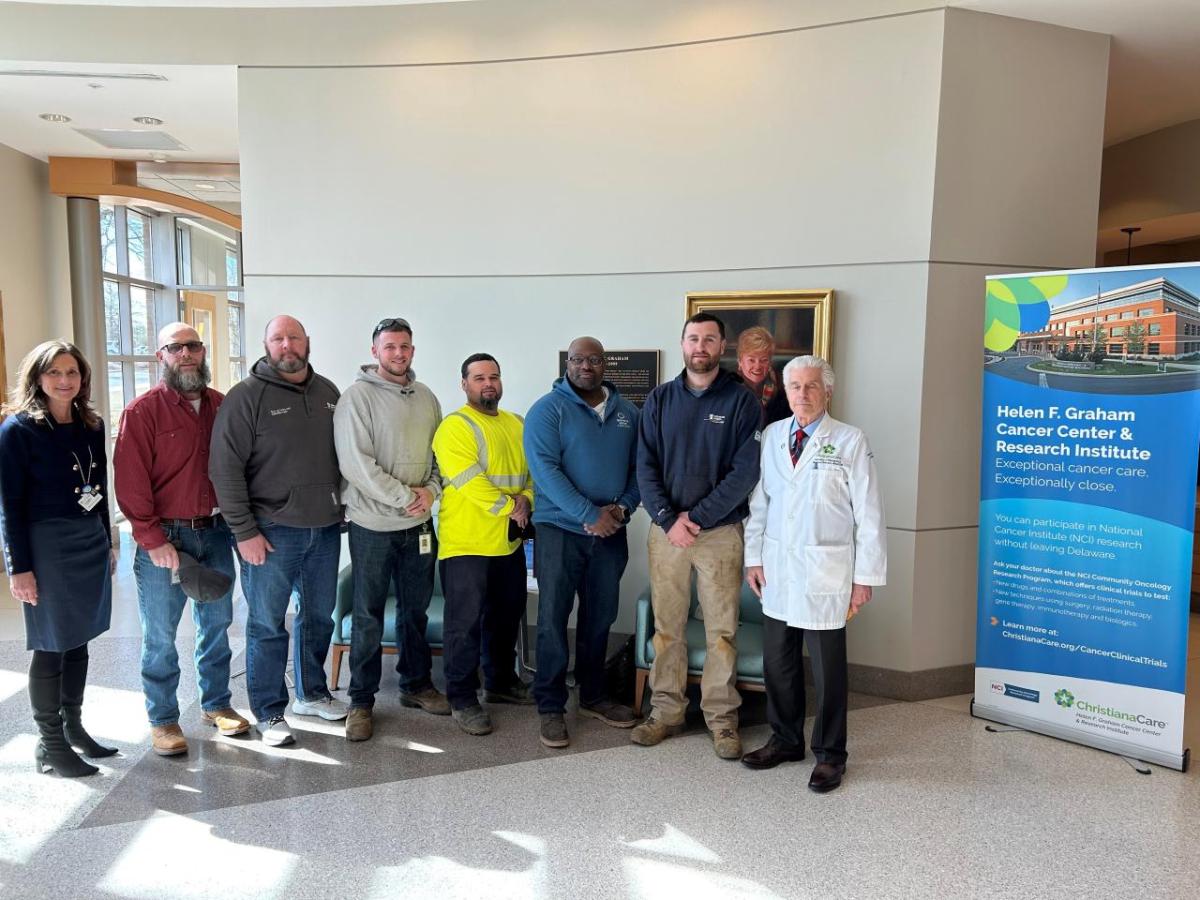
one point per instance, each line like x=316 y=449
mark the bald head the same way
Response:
x=177 y=333
x=286 y=344
x=585 y=365
x=284 y=322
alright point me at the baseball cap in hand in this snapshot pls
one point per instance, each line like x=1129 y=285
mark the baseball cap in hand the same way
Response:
x=200 y=582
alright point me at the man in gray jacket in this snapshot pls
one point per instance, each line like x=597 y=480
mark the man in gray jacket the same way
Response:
x=275 y=471
x=383 y=430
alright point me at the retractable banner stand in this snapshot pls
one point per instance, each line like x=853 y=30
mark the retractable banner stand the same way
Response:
x=1091 y=423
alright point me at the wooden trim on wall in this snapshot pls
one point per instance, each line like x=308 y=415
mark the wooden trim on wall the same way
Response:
x=115 y=181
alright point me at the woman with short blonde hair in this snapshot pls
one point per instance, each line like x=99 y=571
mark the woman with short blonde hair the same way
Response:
x=755 y=347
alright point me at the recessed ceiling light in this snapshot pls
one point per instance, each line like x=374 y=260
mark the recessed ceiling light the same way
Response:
x=204 y=186
x=54 y=117
x=147 y=120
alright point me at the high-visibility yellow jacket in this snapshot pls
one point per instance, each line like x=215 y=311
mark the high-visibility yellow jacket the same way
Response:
x=482 y=463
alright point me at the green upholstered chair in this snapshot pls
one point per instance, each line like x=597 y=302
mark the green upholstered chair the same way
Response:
x=343 y=615
x=749 y=643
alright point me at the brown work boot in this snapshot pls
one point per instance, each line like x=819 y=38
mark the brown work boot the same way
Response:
x=168 y=740
x=654 y=731
x=727 y=743
x=228 y=722
x=359 y=725
x=430 y=699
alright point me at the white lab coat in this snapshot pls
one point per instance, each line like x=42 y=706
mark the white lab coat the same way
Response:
x=816 y=528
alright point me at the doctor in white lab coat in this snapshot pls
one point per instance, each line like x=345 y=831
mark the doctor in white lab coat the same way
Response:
x=815 y=547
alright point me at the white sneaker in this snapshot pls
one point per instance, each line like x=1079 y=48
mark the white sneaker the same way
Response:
x=326 y=707
x=276 y=732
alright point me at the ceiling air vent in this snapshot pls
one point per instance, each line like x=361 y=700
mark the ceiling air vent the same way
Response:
x=116 y=139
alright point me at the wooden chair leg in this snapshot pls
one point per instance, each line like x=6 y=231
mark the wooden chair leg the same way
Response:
x=336 y=665
x=639 y=690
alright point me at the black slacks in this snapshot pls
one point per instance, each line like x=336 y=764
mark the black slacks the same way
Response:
x=783 y=667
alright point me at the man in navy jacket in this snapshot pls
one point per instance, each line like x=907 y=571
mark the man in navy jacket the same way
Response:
x=581 y=446
x=698 y=461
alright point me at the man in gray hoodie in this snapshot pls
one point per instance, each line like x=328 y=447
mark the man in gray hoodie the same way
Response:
x=274 y=468
x=383 y=430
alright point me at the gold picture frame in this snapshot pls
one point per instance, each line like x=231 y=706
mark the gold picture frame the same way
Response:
x=800 y=320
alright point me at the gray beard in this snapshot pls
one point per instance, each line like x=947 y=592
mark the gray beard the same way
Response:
x=290 y=366
x=489 y=403
x=190 y=382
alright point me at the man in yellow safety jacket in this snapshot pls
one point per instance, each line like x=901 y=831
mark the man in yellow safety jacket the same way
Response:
x=487 y=499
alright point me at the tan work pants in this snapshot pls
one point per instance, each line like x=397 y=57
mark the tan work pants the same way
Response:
x=717 y=558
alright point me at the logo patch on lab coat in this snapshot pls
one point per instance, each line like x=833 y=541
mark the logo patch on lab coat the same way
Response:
x=715 y=419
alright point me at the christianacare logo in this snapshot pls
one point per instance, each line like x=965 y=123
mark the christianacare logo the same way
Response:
x=1065 y=698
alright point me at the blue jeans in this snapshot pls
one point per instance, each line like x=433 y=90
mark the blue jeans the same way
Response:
x=567 y=563
x=160 y=606
x=306 y=558
x=485 y=599
x=379 y=560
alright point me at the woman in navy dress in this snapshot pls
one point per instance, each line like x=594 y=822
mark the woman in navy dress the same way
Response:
x=57 y=541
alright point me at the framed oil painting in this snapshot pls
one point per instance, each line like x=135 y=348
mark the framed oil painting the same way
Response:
x=801 y=321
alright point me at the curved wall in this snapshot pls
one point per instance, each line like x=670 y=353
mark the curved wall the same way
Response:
x=511 y=206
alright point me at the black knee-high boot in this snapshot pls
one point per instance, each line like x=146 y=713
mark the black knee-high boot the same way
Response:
x=53 y=751
x=74 y=678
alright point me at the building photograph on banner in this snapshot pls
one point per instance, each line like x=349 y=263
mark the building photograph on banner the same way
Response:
x=1091 y=424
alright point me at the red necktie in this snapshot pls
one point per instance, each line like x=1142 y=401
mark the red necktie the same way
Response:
x=798 y=445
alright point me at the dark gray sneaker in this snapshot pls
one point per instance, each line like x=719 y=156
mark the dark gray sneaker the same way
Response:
x=554 y=730
x=473 y=720
x=610 y=713
x=515 y=691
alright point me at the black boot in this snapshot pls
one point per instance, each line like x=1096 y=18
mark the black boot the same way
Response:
x=53 y=751
x=74 y=677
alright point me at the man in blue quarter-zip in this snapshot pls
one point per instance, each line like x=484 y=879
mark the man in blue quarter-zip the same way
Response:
x=581 y=447
x=698 y=460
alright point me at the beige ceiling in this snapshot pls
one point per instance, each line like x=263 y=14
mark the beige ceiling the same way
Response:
x=1154 y=67
x=1154 y=72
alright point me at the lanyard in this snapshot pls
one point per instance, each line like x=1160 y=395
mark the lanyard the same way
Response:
x=85 y=480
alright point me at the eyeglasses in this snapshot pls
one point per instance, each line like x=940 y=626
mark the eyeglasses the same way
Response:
x=175 y=349
x=580 y=360
x=391 y=325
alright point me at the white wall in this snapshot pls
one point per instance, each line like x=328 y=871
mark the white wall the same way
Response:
x=497 y=207
x=512 y=206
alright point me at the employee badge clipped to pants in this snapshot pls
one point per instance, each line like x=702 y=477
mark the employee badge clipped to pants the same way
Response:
x=199 y=582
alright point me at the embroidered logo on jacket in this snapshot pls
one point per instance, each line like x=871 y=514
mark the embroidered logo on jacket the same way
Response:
x=330 y=406
x=623 y=421
x=715 y=419
x=281 y=410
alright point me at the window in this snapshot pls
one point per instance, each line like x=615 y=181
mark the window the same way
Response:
x=1110 y=317
x=1117 y=331
x=1146 y=312
x=1115 y=348
x=1152 y=348
x=1128 y=314
x=130 y=319
x=1154 y=328
x=237 y=339
x=209 y=265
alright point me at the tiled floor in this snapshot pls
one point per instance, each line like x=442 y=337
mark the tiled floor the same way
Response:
x=933 y=806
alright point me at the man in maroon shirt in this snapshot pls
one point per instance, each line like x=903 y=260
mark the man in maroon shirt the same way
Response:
x=161 y=467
